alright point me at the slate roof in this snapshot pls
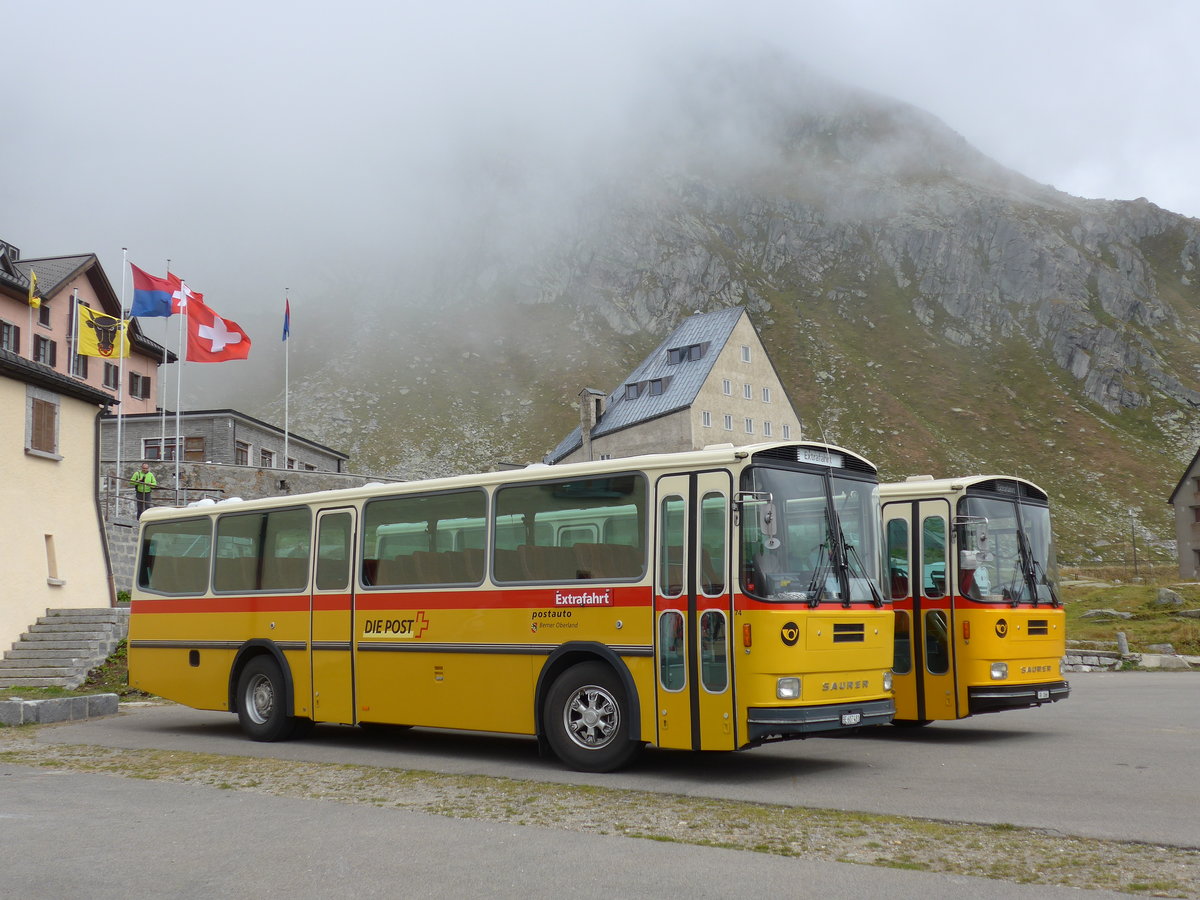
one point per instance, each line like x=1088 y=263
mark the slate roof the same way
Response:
x=21 y=369
x=682 y=381
x=53 y=272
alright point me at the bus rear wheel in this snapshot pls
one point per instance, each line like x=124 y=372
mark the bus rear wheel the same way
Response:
x=587 y=719
x=261 y=702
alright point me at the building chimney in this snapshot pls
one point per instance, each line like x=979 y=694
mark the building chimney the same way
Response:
x=591 y=409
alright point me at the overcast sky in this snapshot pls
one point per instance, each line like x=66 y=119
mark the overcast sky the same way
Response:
x=264 y=145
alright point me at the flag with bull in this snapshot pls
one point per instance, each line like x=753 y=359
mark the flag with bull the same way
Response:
x=102 y=335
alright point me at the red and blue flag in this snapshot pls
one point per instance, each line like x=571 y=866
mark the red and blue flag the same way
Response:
x=151 y=295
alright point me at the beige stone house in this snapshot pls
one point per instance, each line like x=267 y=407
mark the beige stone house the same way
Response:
x=53 y=552
x=1185 y=500
x=709 y=382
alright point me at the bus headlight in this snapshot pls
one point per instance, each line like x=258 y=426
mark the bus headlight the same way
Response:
x=999 y=671
x=887 y=681
x=787 y=689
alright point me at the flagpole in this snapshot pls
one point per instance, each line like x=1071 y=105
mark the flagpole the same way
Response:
x=286 y=378
x=75 y=332
x=179 y=380
x=162 y=388
x=121 y=381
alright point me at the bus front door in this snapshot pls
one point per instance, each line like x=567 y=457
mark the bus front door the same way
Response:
x=332 y=607
x=693 y=606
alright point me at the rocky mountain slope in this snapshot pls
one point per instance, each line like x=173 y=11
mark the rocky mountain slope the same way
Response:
x=921 y=303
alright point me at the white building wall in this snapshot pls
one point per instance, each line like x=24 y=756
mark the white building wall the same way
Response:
x=48 y=502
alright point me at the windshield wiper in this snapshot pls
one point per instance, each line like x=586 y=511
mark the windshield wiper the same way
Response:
x=852 y=552
x=816 y=587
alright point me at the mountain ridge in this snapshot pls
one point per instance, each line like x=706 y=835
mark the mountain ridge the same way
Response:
x=922 y=303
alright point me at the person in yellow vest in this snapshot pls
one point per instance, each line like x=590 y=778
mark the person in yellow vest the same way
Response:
x=143 y=482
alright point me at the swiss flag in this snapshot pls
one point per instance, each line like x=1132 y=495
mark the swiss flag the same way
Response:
x=211 y=338
x=181 y=294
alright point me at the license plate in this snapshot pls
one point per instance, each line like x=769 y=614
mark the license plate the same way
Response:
x=851 y=718
x=1043 y=695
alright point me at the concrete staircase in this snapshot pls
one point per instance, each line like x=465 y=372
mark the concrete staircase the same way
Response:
x=63 y=647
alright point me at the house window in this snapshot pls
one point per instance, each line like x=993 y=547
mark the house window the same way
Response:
x=749 y=426
x=266 y=459
x=745 y=354
x=241 y=453
x=747 y=392
x=44 y=314
x=632 y=391
x=10 y=337
x=766 y=429
x=766 y=395
x=41 y=423
x=706 y=419
x=193 y=449
x=154 y=448
x=727 y=387
x=729 y=423
x=79 y=367
x=787 y=432
x=656 y=387
x=1196 y=513
x=309 y=467
x=139 y=386
x=45 y=350
x=291 y=463
x=112 y=376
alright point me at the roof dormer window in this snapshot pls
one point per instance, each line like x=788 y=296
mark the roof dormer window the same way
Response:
x=690 y=353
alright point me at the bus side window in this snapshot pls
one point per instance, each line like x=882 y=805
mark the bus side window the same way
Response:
x=902 y=663
x=897 y=543
x=333 y=552
x=937 y=642
x=670 y=651
x=933 y=554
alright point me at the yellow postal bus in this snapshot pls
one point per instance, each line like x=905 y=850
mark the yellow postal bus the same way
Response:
x=709 y=600
x=972 y=573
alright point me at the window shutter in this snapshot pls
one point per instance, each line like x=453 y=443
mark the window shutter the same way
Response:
x=53 y=354
x=42 y=430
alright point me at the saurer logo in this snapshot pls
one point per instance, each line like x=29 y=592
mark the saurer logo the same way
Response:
x=396 y=628
x=845 y=685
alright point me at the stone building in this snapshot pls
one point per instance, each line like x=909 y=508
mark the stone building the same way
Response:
x=1185 y=500
x=220 y=436
x=709 y=382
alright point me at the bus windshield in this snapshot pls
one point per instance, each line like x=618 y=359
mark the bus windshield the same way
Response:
x=1015 y=561
x=797 y=546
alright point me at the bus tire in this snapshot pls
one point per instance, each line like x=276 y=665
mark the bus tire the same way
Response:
x=911 y=723
x=260 y=702
x=587 y=719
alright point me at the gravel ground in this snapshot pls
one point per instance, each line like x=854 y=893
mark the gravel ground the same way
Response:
x=1004 y=853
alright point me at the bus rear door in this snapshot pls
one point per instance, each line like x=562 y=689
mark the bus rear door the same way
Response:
x=332 y=606
x=693 y=608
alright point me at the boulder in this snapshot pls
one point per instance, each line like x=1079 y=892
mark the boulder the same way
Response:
x=1106 y=614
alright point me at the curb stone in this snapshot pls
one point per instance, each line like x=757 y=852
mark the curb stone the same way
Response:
x=59 y=709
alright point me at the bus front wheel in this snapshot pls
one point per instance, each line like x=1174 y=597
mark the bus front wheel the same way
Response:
x=260 y=702
x=587 y=719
